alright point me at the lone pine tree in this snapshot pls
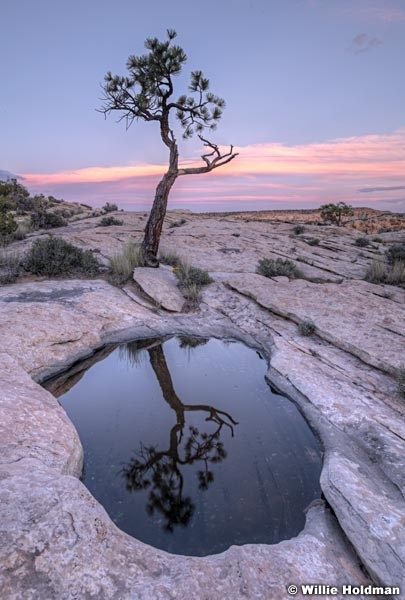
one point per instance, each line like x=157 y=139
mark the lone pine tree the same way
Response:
x=146 y=93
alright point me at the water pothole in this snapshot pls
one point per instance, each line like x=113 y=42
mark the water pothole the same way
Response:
x=186 y=446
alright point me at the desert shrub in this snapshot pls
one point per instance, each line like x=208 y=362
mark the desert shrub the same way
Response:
x=298 y=229
x=396 y=275
x=178 y=223
x=376 y=272
x=377 y=240
x=5 y=205
x=107 y=221
x=272 y=268
x=313 y=241
x=235 y=234
x=400 y=377
x=362 y=242
x=66 y=213
x=191 y=292
x=189 y=276
x=169 y=257
x=14 y=195
x=54 y=257
x=43 y=219
x=10 y=266
x=191 y=280
x=8 y=226
x=395 y=253
x=123 y=263
x=109 y=207
x=306 y=328
x=22 y=230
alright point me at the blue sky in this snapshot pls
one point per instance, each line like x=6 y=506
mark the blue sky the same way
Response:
x=314 y=89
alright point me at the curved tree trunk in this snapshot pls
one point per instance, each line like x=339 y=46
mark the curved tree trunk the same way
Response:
x=153 y=230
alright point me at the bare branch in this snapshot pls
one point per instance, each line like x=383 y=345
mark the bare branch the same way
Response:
x=210 y=164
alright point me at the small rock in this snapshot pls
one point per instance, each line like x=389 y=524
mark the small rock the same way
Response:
x=160 y=284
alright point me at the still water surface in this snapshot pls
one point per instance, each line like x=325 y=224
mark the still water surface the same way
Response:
x=186 y=446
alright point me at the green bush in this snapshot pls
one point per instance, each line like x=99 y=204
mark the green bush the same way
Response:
x=395 y=253
x=362 y=242
x=313 y=241
x=108 y=221
x=298 y=229
x=123 y=263
x=377 y=240
x=43 y=219
x=273 y=268
x=306 y=328
x=191 y=280
x=54 y=257
x=8 y=225
x=5 y=205
x=376 y=272
x=14 y=196
x=188 y=275
x=109 y=207
x=10 y=266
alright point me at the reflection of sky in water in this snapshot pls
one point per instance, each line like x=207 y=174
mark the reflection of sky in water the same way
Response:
x=258 y=490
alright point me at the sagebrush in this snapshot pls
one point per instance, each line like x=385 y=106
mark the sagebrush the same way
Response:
x=10 y=266
x=55 y=257
x=108 y=221
x=273 y=268
x=306 y=328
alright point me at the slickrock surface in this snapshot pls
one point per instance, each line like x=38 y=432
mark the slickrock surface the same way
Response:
x=160 y=285
x=57 y=542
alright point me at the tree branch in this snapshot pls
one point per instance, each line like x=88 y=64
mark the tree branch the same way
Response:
x=218 y=161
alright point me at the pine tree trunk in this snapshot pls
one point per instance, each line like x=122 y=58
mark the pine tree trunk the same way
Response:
x=153 y=229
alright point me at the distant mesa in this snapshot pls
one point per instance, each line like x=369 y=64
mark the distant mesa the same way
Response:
x=6 y=175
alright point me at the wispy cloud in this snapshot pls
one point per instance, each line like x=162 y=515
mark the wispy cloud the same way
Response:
x=291 y=175
x=363 y=42
x=368 y=11
x=382 y=188
x=95 y=174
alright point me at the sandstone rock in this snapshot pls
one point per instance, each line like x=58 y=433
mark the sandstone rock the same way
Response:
x=350 y=315
x=161 y=285
x=58 y=542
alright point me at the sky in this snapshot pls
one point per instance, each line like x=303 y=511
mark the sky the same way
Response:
x=314 y=91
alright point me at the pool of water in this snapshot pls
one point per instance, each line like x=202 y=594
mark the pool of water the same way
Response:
x=186 y=446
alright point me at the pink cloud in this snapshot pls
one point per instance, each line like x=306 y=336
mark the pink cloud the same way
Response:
x=385 y=12
x=314 y=172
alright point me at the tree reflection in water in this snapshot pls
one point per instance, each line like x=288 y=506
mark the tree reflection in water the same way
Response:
x=161 y=471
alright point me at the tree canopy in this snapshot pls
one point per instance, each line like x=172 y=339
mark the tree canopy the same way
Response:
x=334 y=213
